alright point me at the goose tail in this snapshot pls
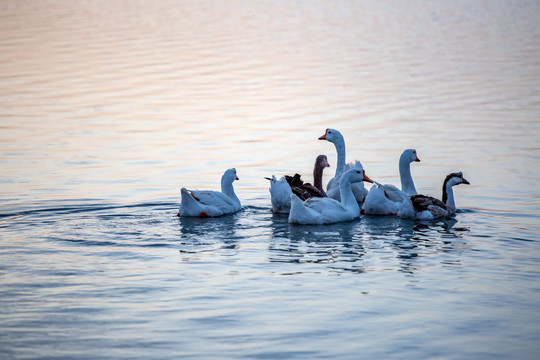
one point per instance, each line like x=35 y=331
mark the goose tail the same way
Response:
x=189 y=206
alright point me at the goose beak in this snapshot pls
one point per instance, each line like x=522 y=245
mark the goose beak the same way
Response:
x=327 y=164
x=417 y=159
x=323 y=137
x=366 y=178
x=237 y=178
x=464 y=181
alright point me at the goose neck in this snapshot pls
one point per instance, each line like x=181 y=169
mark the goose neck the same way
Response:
x=228 y=189
x=448 y=196
x=347 y=196
x=407 y=183
x=317 y=177
x=340 y=148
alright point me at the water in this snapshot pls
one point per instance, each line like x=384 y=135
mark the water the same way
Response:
x=107 y=109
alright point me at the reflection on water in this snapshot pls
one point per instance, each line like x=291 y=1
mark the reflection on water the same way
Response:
x=332 y=244
x=208 y=234
x=108 y=108
x=344 y=244
x=404 y=244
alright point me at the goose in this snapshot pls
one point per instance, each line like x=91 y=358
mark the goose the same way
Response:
x=281 y=190
x=333 y=188
x=328 y=210
x=421 y=207
x=427 y=207
x=385 y=199
x=207 y=203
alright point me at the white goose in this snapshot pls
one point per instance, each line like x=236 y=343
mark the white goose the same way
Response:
x=281 y=190
x=333 y=188
x=386 y=199
x=208 y=203
x=327 y=210
x=427 y=207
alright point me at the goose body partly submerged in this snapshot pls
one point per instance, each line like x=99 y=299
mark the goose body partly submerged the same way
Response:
x=427 y=207
x=328 y=210
x=206 y=203
x=281 y=190
x=385 y=199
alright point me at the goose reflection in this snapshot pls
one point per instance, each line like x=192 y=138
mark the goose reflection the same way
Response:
x=343 y=247
x=451 y=231
x=416 y=241
x=338 y=245
x=203 y=235
x=395 y=236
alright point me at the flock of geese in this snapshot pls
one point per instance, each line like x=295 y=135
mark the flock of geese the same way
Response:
x=344 y=199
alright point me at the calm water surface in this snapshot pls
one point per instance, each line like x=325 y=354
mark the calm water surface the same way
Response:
x=108 y=108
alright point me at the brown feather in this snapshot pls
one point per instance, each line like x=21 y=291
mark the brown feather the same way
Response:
x=422 y=202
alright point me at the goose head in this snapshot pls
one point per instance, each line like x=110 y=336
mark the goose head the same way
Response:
x=321 y=162
x=332 y=135
x=229 y=176
x=451 y=180
x=410 y=155
x=356 y=175
x=455 y=179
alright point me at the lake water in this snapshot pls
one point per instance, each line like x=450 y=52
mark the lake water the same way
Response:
x=108 y=108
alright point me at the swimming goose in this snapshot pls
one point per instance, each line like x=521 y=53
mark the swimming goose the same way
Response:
x=327 y=210
x=281 y=190
x=385 y=199
x=333 y=188
x=421 y=207
x=208 y=203
x=427 y=207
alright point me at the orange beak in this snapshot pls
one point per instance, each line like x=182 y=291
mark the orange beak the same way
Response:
x=366 y=178
x=417 y=159
x=324 y=136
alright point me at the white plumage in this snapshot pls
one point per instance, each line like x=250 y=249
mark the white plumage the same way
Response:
x=207 y=203
x=333 y=188
x=387 y=199
x=327 y=210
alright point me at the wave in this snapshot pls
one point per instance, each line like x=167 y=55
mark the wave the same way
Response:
x=55 y=209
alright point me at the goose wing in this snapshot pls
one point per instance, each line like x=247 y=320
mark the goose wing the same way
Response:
x=423 y=202
x=214 y=198
x=307 y=191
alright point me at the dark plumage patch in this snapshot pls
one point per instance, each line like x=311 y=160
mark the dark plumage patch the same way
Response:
x=193 y=196
x=311 y=191
x=294 y=180
x=422 y=202
x=303 y=190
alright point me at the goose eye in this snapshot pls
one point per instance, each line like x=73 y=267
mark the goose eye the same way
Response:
x=358 y=172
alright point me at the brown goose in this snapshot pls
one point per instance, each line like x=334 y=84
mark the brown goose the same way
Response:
x=305 y=190
x=281 y=190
